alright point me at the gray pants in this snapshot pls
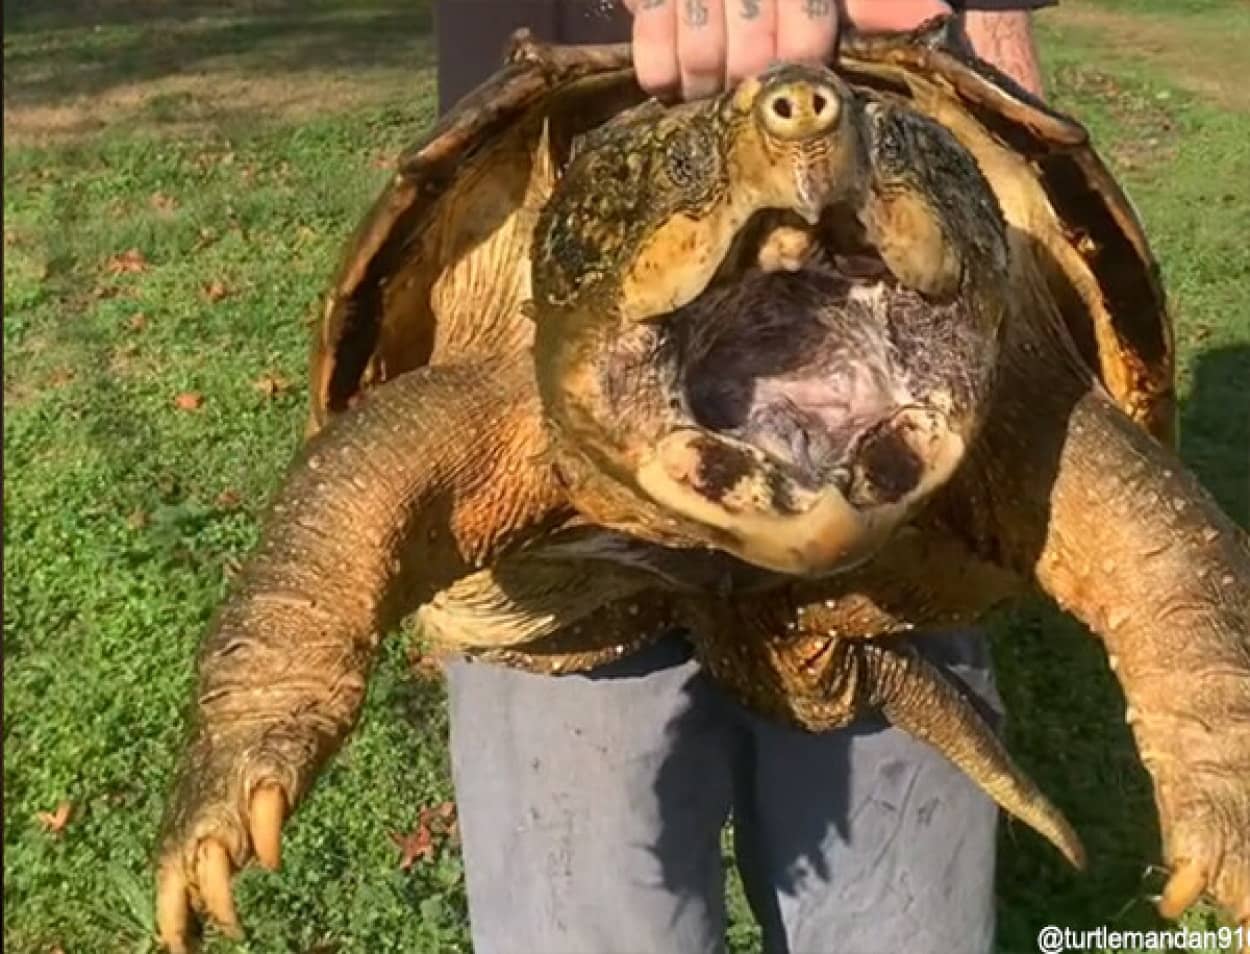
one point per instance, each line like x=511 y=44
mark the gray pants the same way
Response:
x=591 y=810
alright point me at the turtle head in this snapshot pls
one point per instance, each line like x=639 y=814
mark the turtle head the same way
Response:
x=792 y=414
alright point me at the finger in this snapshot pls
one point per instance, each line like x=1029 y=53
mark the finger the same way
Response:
x=173 y=910
x=750 y=37
x=655 y=46
x=806 y=30
x=212 y=871
x=265 y=816
x=1183 y=889
x=873 y=16
x=701 y=47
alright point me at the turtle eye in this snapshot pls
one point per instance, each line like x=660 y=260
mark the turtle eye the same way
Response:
x=691 y=159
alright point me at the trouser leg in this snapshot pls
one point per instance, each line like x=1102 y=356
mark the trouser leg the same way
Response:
x=472 y=34
x=867 y=841
x=591 y=806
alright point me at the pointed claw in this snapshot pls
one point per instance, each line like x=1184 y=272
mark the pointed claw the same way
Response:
x=213 y=871
x=173 y=910
x=1183 y=889
x=266 y=813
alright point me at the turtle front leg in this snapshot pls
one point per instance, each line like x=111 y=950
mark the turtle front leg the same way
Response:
x=424 y=482
x=1119 y=533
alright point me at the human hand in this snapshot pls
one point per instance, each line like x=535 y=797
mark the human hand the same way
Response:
x=694 y=48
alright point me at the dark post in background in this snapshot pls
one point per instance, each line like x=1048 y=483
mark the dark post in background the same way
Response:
x=472 y=34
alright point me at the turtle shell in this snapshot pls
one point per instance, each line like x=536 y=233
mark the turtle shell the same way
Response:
x=440 y=265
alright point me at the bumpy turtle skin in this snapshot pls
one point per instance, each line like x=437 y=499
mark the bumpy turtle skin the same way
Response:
x=430 y=479
x=1119 y=533
x=807 y=656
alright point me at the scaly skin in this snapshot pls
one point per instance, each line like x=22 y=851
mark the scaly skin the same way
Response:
x=1113 y=526
x=435 y=475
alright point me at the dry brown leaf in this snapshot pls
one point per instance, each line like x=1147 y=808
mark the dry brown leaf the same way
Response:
x=137 y=322
x=228 y=499
x=434 y=823
x=165 y=204
x=415 y=846
x=271 y=384
x=54 y=822
x=60 y=377
x=215 y=290
x=127 y=263
x=189 y=401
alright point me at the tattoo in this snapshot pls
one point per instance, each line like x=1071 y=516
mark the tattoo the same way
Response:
x=696 y=13
x=1005 y=40
x=818 y=9
x=750 y=9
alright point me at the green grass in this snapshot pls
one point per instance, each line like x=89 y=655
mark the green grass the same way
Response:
x=120 y=534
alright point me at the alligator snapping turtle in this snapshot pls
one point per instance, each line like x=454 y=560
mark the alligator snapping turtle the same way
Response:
x=826 y=358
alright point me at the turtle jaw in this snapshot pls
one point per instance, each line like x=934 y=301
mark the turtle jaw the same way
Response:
x=761 y=511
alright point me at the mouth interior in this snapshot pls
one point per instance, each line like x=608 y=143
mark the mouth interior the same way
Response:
x=799 y=365
x=812 y=367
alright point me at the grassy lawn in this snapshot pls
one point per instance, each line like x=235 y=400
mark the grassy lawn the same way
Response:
x=178 y=180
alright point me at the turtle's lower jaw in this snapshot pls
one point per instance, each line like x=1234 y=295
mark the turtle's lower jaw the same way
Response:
x=767 y=515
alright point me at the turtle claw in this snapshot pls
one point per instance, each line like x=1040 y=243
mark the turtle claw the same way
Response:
x=173 y=909
x=207 y=841
x=1207 y=842
x=213 y=873
x=266 y=814
x=1184 y=887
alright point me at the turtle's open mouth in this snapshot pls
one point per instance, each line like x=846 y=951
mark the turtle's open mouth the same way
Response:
x=812 y=411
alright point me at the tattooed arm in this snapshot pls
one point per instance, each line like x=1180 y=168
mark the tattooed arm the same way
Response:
x=1005 y=39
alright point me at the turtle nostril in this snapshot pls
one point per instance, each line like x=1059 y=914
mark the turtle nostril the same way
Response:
x=819 y=103
x=782 y=107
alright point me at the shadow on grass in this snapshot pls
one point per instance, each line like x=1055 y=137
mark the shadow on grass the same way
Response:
x=60 y=50
x=1215 y=427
